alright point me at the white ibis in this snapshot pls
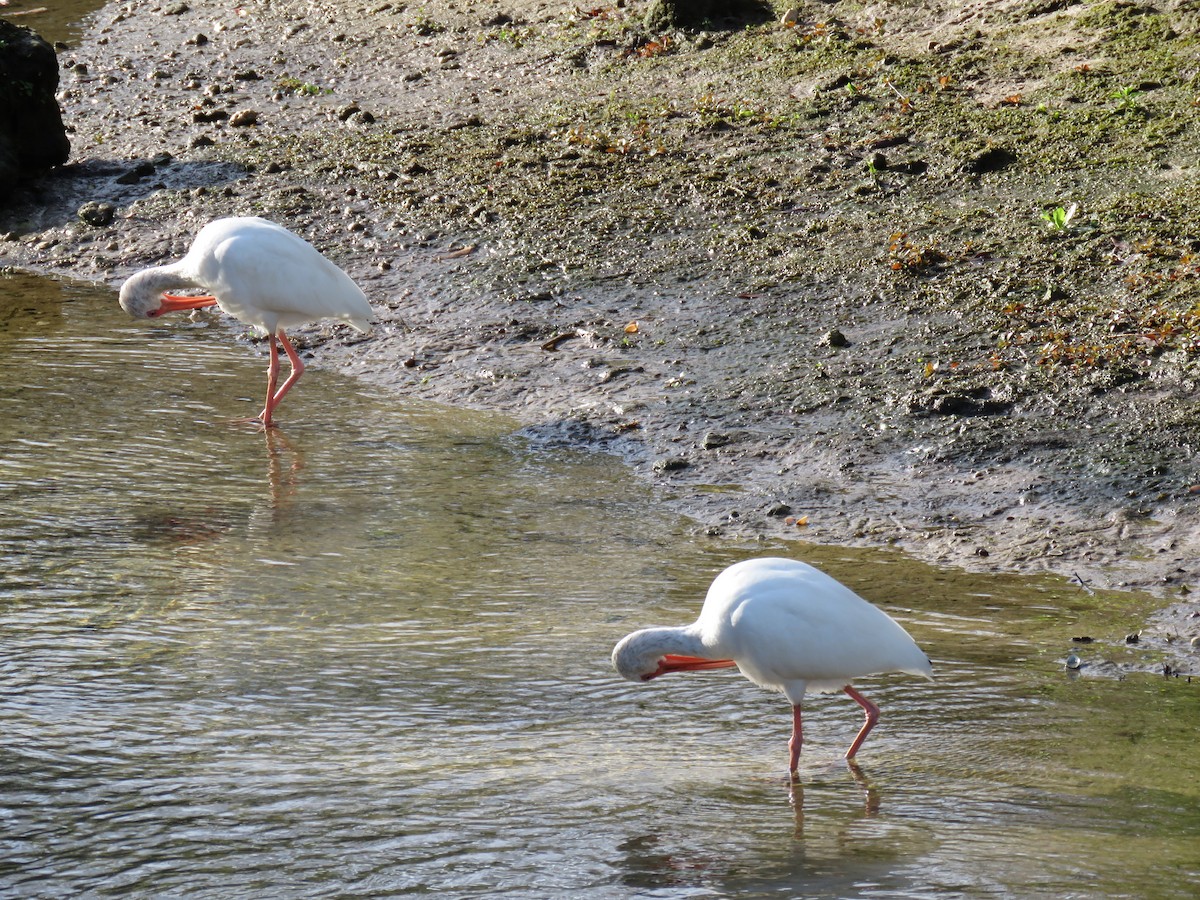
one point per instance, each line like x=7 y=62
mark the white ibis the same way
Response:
x=786 y=626
x=259 y=273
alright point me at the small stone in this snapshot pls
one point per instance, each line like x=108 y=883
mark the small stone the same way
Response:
x=714 y=439
x=834 y=338
x=135 y=174
x=175 y=9
x=97 y=214
x=671 y=464
x=1132 y=638
x=244 y=118
x=348 y=110
x=991 y=159
x=1074 y=662
x=201 y=140
x=779 y=510
x=790 y=18
x=204 y=116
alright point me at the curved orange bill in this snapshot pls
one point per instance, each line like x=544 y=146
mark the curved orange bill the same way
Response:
x=174 y=303
x=673 y=663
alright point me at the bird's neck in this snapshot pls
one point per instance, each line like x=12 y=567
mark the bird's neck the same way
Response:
x=156 y=280
x=677 y=641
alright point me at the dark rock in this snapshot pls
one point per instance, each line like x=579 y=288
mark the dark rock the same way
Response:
x=97 y=214
x=671 y=464
x=32 y=136
x=136 y=173
x=714 y=439
x=663 y=15
x=834 y=338
x=990 y=159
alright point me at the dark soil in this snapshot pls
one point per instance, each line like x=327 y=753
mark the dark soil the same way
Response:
x=922 y=274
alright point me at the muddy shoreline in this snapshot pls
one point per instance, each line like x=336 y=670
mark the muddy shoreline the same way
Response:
x=798 y=276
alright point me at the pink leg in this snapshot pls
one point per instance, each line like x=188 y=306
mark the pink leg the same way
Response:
x=273 y=396
x=272 y=379
x=872 y=717
x=797 y=740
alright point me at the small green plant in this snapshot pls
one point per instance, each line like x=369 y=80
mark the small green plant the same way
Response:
x=301 y=88
x=1126 y=98
x=1058 y=218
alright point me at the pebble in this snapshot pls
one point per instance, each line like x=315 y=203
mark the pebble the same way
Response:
x=671 y=464
x=97 y=214
x=834 y=338
x=244 y=118
x=1074 y=662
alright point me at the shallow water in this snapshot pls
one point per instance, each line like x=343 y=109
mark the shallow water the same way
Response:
x=367 y=655
x=55 y=20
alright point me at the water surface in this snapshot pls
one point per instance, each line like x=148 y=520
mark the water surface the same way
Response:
x=366 y=655
x=55 y=20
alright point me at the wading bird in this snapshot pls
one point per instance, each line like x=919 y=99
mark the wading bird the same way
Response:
x=259 y=273
x=786 y=626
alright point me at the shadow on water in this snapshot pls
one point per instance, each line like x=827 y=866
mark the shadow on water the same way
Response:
x=366 y=654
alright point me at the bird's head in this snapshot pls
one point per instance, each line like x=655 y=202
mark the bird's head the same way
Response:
x=141 y=299
x=637 y=658
x=651 y=652
x=144 y=295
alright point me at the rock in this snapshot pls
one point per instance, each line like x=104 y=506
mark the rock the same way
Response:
x=32 y=136
x=671 y=464
x=714 y=439
x=834 y=338
x=97 y=214
x=779 y=510
x=244 y=118
x=136 y=173
x=990 y=159
x=663 y=15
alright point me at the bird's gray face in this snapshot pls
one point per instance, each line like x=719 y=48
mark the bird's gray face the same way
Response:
x=636 y=662
x=139 y=300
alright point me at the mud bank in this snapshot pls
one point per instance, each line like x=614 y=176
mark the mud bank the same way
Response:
x=918 y=275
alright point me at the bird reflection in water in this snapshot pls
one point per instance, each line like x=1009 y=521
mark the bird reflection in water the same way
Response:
x=871 y=797
x=285 y=462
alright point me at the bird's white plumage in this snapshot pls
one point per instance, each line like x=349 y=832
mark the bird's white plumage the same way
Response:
x=260 y=273
x=791 y=626
x=787 y=626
